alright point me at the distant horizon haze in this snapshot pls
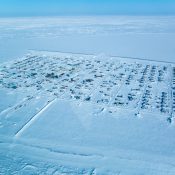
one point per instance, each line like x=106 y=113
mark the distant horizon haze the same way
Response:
x=85 y=7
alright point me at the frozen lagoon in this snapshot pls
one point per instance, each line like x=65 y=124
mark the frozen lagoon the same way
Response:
x=150 y=37
x=66 y=113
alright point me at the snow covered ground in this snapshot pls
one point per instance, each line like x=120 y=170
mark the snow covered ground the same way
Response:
x=105 y=113
x=66 y=113
x=150 y=37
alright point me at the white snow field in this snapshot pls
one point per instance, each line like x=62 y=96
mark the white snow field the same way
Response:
x=150 y=37
x=64 y=111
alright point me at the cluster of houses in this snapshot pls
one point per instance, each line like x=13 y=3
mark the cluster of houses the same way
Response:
x=110 y=83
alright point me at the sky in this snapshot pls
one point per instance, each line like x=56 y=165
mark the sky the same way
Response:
x=86 y=7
